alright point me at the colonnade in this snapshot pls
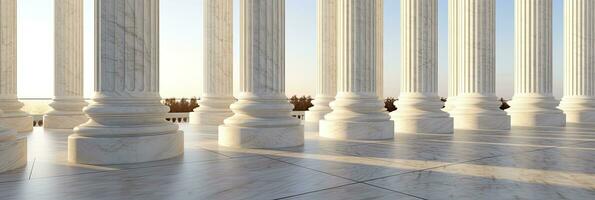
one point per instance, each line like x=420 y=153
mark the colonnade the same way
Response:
x=125 y=123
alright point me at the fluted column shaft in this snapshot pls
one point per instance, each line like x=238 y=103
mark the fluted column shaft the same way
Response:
x=453 y=55
x=326 y=42
x=262 y=113
x=68 y=100
x=357 y=111
x=419 y=105
x=13 y=149
x=533 y=103
x=477 y=106
x=13 y=116
x=579 y=61
x=127 y=107
x=218 y=64
x=380 y=49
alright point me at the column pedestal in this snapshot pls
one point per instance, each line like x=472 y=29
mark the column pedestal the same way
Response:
x=262 y=115
x=13 y=117
x=13 y=150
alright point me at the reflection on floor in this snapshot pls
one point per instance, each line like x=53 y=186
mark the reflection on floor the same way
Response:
x=525 y=163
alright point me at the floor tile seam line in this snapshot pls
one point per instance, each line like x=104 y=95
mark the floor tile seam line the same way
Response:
x=127 y=169
x=431 y=168
x=293 y=164
x=455 y=163
x=215 y=152
x=32 y=167
x=314 y=191
x=396 y=191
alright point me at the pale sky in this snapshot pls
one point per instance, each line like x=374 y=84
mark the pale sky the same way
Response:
x=181 y=47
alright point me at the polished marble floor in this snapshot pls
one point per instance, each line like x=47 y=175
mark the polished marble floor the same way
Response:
x=525 y=163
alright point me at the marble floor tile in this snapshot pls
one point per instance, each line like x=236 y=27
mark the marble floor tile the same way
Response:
x=241 y=178
x=354 y=192
x=547 y=174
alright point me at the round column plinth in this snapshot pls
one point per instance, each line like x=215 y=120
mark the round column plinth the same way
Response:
x=357 y=130
x=18 y=123
x=63 y=121
x=587 y=116
x=423 y=125
x=478 y=122
x=213 y=119
x=261 y=137
x=530 y=119
x=311 y=123
x=13 y=153
x=122 y=150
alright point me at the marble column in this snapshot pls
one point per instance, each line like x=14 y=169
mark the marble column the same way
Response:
x=127 y=117
x=419 y=104
x=262 y=115
x=533 y=103
x=13 y=147
x=477 y=106
x=357 y=111
x=327 y=63
x=13 y=117
x=218 y=65
x=453 y=55
x=578 y=102
x=380 y=49
x=68 y=100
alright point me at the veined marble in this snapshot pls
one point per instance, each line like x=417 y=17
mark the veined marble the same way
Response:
x=419 y=107
x=578 y=102
x=357 y=111
x=13 y=149
x=218 y=65
x=262 y=116
x=13 y=116
x=68 y=102
x=127 y=120
x=477 y=106
x=326 y=16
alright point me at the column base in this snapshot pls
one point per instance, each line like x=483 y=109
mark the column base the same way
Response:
x=586 y=116
x=529 y=119
x=424 y=125
x=357 y=130
x=63 y=121
x=313 y=118
x=123 y=150
x=261 y=137
x=13 y=154
x=212 y=119
x=18 y=123
x=478 y=122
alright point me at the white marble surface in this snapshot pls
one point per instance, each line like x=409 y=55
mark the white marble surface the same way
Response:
x=326 y=41
x=13 y=150
x=262 y=116
x=357 y=110
x=218 y=64
x=526 y=162
x=453 y=55
x=578 y=101
x=533 y=103
x=419 y=107
x=477 y=106
x=122 y=150
x=13 y=116
x=357 y=130
x=127 y=119
x=261 y=137
x=18 y=123
x=68 y=102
